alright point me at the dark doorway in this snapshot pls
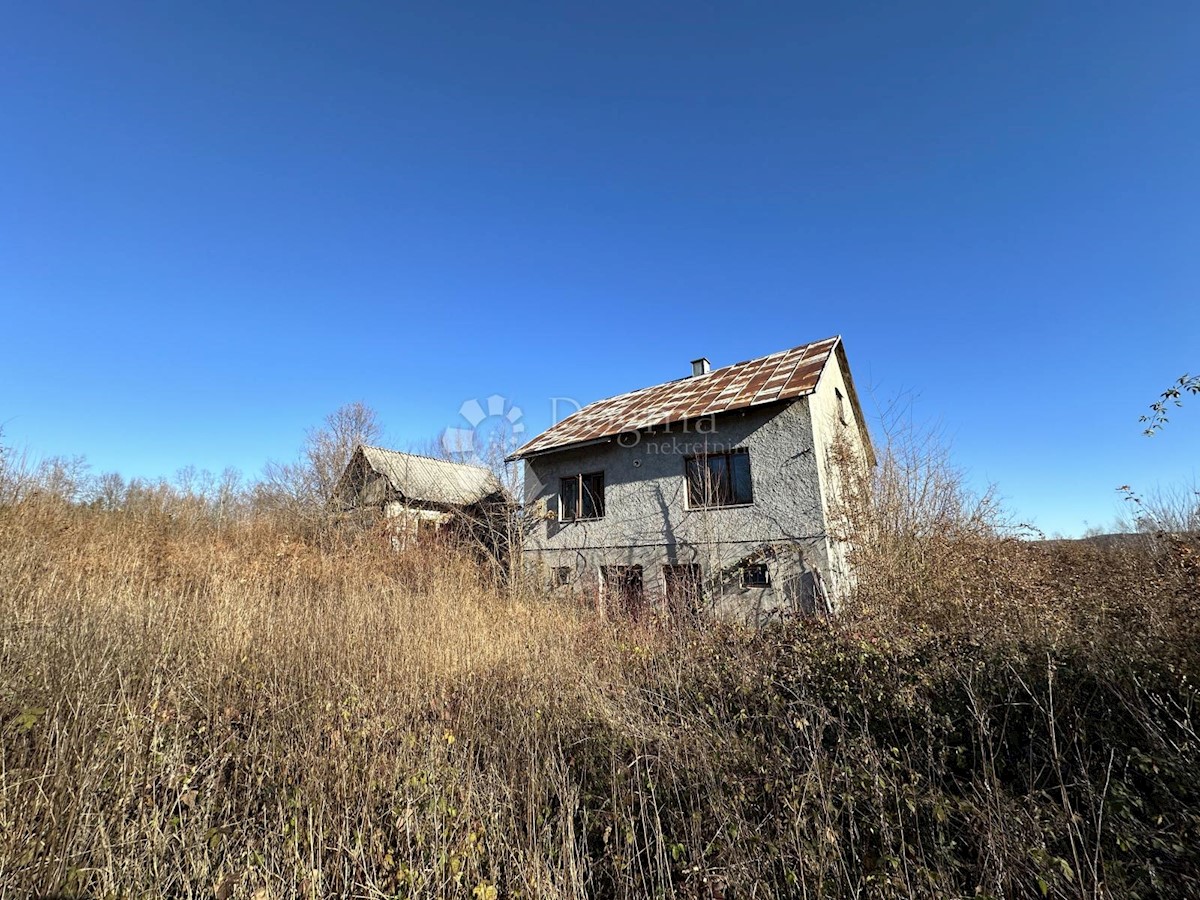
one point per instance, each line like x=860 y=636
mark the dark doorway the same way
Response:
x=623 y=590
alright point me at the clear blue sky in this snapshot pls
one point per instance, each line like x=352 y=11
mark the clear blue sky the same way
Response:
x=220 y=221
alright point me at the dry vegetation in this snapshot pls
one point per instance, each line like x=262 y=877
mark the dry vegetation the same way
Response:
x=200 y=704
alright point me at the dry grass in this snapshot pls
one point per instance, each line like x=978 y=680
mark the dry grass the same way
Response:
x=186 y=708
x=934 y=558
x=196 y=708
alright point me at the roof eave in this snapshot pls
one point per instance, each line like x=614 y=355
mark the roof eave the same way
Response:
x=609 y=438
x=523 y=454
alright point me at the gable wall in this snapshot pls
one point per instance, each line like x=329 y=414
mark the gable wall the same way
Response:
x=828 y=430
x=361 y=486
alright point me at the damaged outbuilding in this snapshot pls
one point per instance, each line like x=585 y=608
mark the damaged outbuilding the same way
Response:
x=419 y=496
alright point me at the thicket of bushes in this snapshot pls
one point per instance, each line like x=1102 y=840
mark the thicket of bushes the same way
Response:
x=197 y=706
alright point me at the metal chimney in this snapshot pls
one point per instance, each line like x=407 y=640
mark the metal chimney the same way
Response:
x=700 y=366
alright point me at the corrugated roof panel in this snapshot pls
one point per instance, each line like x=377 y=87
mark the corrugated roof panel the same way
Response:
x=423 y=478
x=780 y=376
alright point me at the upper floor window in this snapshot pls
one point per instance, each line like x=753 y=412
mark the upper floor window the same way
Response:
x=841 y=401
x=719 y=479
x=581 y=497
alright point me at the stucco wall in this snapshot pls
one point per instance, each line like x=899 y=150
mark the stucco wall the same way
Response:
x=836 y=421
x=647 y=521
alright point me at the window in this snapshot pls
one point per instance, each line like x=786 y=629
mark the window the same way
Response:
x=560 y=576
x=841 y=406
x=581 y=497
x=719 y=479
x=623 y=584
x=756 y=575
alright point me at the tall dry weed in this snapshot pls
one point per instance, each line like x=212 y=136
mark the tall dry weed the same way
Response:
x=198 y=705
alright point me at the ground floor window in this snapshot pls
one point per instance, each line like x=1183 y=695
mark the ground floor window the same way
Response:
x=623 y=589
x=756 y=575
x=560 y=576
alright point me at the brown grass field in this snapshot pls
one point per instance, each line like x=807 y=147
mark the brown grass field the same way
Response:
x=193 y=707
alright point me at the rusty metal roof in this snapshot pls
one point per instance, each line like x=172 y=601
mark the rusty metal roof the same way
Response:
x=781 y=376
x=432 y=480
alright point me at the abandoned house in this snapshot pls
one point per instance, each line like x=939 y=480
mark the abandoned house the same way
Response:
x=711 y=493
x=418 y=496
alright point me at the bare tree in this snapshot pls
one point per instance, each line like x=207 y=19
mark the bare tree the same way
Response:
x=327 y=449
x=304 y=486
x=5 y=477
x=108 y=491
x=63 y=477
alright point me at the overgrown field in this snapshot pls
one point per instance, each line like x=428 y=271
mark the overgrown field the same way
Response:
x=201 y=709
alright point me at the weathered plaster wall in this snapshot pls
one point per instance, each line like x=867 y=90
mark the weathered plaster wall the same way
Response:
x=647 y=521
x=834 y=422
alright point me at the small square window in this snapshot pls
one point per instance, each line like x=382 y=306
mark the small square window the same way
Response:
x=756 y=575
x=560 y=576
